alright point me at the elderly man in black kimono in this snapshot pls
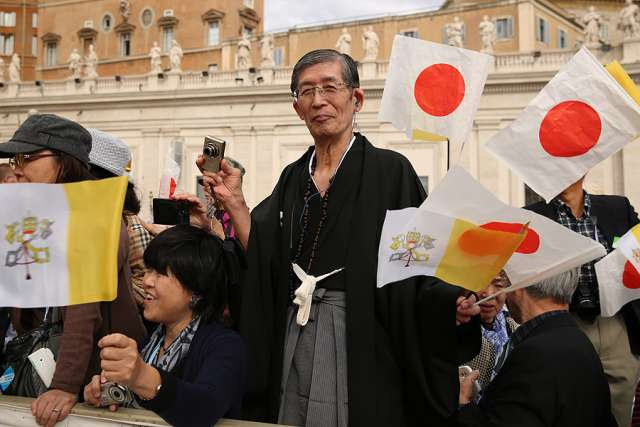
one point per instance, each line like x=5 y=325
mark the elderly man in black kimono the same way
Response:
x=352 y=354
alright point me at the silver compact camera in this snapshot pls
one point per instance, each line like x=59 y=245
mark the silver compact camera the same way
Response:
x=114 y=394
x=213 y=153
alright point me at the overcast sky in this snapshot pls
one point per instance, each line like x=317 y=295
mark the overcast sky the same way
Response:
x=281 y=14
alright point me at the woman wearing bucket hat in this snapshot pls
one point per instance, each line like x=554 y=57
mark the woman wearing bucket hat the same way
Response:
x=50 y=149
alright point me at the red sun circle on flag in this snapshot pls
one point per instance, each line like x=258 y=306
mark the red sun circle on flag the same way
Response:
x=529 y=245
x=570 y=129
x=439 y=89
x=630 y=276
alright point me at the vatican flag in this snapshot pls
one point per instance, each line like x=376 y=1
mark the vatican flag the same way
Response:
x=415 y=242
x=629 y=245
x=432 y=90
x=581 y=117
x=548 y=248
x=60 y=242
x=618 y=282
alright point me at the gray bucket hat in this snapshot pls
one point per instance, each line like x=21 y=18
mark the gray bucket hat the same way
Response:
x=109 y=153
x=48 y=131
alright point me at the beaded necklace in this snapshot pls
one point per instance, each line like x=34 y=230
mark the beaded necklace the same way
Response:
x=305 y=225
x=323 y=217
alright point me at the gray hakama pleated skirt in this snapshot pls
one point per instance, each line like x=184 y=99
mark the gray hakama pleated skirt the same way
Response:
x=314 y=375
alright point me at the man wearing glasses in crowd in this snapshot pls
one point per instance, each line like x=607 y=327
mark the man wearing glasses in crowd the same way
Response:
x=341 y=352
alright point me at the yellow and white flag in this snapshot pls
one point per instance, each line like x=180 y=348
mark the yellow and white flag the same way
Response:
x=548 y=249
x=618 y=283
x=629 y=245
x=433 y=90
x=59 y=242
x=416 y=242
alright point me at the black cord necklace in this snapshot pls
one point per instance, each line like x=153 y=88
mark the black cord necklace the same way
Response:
x=305 y=226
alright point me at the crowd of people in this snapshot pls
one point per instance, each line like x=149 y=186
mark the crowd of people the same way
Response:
x=211 y=319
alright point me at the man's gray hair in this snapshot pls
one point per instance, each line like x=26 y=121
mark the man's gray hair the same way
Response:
x=559 y=288
x=320 y=56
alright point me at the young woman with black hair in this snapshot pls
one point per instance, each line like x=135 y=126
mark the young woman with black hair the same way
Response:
x=191 y=371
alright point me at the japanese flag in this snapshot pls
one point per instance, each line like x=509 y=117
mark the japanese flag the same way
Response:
x=432 y=90
x=618 y=282
x=548 y=248
x=581 y=117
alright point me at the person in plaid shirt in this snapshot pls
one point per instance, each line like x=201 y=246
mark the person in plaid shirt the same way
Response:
x=617 y=338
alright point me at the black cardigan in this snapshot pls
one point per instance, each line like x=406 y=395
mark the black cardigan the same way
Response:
x=207 y=384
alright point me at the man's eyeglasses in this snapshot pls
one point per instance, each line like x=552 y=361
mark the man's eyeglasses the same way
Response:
x=19 y=160
x=329 y=90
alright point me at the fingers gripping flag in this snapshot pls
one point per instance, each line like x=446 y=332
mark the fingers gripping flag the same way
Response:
x=581 y=117
x=60 y=242
x=432 y=90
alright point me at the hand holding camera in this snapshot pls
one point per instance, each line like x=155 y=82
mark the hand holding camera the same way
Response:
x=220 y=179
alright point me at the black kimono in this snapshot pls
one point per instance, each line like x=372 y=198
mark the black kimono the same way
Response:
x=403 y=346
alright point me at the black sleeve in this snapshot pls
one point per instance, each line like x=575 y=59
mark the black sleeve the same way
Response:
x=218 y=386
x=632 y=215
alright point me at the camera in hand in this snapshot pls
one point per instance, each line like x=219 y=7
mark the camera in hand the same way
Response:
x=114 y=394
x=170 y=212
x=213 y=153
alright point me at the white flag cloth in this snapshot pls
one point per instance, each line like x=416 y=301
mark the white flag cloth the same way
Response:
x=629 y=245
x=581 y=117
x=618 y=283
x=548 y=249
x=433 y=88
x=304 y=293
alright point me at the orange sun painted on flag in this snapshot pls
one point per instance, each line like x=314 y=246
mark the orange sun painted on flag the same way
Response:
x=570 y=129
x=630 y=276
x=439 y=89
x=531 y=242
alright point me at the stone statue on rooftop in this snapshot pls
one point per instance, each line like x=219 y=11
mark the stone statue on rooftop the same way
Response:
x=175 y=56
x=592 y=22
x=455 y=32
x=266 y=51
x=629 y=20
x=487 y=34
x=75 y=64
x=91 y=63
x=156 y=59
x=370 y=44
x=343 y=45
x=125 y=9
x=14 y=69
x=1 y=71
x=243 y=55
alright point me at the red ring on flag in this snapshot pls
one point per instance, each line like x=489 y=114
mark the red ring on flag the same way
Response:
x=439 y=89
x=570 y=129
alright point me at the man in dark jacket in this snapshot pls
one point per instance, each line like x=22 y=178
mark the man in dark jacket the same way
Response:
x=548 y=373
x=617 y=338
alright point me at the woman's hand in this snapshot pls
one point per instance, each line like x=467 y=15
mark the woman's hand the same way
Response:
x=93 y=391
x=120 y=360
x=52 y=406
x=197 y=211
x=121 y=363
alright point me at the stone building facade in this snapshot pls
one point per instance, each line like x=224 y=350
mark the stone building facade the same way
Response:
x=19 y=34
x=252 y=109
